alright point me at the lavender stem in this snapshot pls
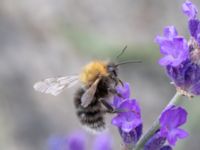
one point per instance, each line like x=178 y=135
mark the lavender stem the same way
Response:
x=176 y=100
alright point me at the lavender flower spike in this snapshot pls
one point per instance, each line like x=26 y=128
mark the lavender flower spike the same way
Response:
x=170 y=121
x=181 y=57
x=128 y=122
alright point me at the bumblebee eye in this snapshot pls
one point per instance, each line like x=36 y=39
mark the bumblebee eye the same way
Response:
x=112 y=70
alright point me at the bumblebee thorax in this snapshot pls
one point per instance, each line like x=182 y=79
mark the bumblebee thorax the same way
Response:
x=92 y=71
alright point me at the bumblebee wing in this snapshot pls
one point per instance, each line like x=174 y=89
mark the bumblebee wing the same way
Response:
x=89 y=94
x=55 y=86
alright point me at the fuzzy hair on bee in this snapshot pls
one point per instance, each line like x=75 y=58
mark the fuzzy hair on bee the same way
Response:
x=99 y=80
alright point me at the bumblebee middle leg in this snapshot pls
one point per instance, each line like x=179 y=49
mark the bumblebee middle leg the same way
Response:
x=114 y=92
x=109 y=108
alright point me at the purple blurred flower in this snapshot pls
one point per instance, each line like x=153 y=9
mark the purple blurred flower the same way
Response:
x=75 y=141
x=173 y=47
x=170 y=121
x=103 y=142
x=190 y=9
x=57 y=143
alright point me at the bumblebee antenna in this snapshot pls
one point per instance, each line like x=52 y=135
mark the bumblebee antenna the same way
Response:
x=122 y=52
x=128 y=62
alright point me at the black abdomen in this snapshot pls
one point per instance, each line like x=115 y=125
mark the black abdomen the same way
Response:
x=92 y=116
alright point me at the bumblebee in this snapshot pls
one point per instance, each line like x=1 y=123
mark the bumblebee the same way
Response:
x=99 y=80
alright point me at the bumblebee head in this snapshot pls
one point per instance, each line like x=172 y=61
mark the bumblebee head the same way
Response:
x=112 y=69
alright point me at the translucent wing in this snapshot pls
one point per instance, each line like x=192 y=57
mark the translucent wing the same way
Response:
x=89 y=94
x=55 y=86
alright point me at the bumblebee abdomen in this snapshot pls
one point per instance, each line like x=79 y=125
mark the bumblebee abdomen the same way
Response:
x=91 y=117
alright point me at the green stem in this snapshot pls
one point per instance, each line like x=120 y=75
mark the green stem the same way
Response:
x=176 y=100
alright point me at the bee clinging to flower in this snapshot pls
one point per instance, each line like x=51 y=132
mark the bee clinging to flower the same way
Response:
x=99 y=80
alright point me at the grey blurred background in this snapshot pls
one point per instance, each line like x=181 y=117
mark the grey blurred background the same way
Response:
x=47 y=38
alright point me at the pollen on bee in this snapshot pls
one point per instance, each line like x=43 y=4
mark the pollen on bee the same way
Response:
x=92 y=70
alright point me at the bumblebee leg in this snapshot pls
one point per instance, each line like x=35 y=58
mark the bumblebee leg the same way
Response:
x=109 y=108
x=114 y=91
x=120 y=81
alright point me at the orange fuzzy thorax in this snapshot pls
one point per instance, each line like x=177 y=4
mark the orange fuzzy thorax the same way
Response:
x=92 y=71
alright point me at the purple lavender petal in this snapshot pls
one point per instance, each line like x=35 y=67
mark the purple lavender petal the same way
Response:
x=118 y=120
x=130 y=125
x=189 y=9
x=124 y=91
x=166 y=60
x=170 y=32
x=132 y=106
x=103 y=142
x=173 y=117
x=175 y=134
x=126 y=121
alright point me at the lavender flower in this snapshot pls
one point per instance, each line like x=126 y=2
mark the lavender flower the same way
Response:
x=129 y=121
x=173 y=47
x=181 y=57
x=170 y=121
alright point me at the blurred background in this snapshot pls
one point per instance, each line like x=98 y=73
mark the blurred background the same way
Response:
x=48 y=38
